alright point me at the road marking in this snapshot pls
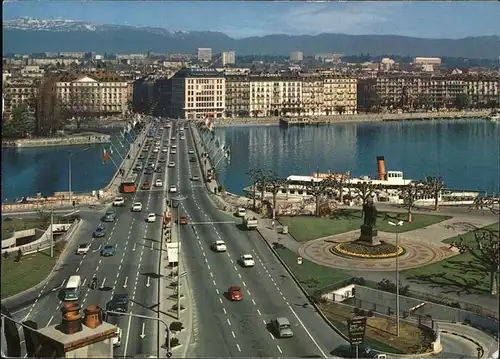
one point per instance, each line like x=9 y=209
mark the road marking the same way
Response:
x=279 y=348
x=224 y=310
x=128 y=333
x=238 y=346
x=228 y=322
x=84 y=281
x=258 y=311
x=232 y=333
x=272 y=337
x=220 y=300
x=253 y=301
x=50 y=320
x=307 y=331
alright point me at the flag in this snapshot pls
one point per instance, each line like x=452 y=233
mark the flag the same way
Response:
x=105 y=156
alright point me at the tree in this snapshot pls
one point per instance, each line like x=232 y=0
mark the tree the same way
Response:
x=462 y=101
x=434 y=186
x=319 y=188
x=424 y=100
x=485 y=249
x=365 y=190
x=491 y=203
x=411 y=193
x=20 y=124
x=49 y=117
x=260 y=178
x=274 y=185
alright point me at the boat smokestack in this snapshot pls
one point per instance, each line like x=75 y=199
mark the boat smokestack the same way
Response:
x=381 y=168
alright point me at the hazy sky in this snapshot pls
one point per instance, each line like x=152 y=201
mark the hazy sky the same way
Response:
x=241 y=19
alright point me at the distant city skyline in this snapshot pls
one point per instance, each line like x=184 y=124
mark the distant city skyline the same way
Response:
x=251 y=18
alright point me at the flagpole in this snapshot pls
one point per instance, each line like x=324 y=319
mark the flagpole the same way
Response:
x=118 y=153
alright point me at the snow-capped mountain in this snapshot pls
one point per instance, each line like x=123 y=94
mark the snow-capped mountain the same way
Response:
x=27 y=23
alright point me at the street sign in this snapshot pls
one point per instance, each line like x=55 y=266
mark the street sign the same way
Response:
x=299 y=260
x=356 y=328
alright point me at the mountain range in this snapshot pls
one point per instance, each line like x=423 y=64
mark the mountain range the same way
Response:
x=28 y=35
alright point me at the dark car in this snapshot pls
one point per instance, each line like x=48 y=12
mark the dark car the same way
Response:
x=162 y=160
x=141 y=156
x=149 y=171
x=100 y=232
x=109 y=250
x=159 y=169
x=346 y=351
x=192 y=159
x=108 y=217
x=119 y=303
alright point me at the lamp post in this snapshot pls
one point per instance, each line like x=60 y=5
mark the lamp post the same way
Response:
x=399 y=224
x=71 y=153
x=176 y=202
x=169 y=350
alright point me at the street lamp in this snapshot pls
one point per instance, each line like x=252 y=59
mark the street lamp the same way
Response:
x=71 y=153
x=176 y=202
x=399 y=224
x=169 y=349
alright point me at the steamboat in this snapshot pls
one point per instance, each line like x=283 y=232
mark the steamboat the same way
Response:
x=390 y=184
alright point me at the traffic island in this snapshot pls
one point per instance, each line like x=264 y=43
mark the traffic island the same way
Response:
x=361 y=250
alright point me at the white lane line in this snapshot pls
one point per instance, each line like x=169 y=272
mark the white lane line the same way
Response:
x=238 y=346
x=224 y=310
x=228 y=321
x=244 y=283
x=309 y=334
x=232 y=333
x=272 y=337
x=128 y=334
x=279 y=348
x=50 y=320
x=220 y=300
x=258 y=311
x=253 y=301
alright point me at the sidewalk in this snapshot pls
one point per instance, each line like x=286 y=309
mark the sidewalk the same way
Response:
x=168 y=297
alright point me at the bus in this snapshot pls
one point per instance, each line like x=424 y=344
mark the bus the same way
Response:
x=129 y=185
x=72 y=289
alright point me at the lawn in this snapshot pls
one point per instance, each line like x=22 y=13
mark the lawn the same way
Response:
x=20 y=224
x=311 y=275
x=451 y=272
x=306 y=228
x=31 y=270
x=380 y=331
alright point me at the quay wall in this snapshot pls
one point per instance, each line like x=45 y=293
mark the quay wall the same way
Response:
x=59 y=141
x=369 y=117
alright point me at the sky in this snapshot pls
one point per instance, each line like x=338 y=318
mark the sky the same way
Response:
x=427 y=19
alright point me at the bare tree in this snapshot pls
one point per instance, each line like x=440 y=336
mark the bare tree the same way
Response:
x=411 y=193
x=491 y=203
x=365 y=190
x=274 y=185
x=260 y=178
x=434 y=186
x=319 y=189
x=486 y=251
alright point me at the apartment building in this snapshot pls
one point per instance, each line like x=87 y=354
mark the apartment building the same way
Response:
x=198 y=93
x=204 y=54
x=237 y=95
x=17 y=92
x=93 y=94
x=228 y=58
x=483 y=89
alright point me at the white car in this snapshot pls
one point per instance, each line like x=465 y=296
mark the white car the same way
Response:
x=247 y=260
x=156 y=150
x=219 y=246
x=183 y=138
x=164 y=150
x=191 y=152
x=159 y=183
x=173 y=138
x=173 y=152
x=173 y=189
x=241 y=212
x=173 y=147
x=137 y=207
x=83 y=248
x=119 y=201
x=157 y=143
x=171 y=164
x=151 y=218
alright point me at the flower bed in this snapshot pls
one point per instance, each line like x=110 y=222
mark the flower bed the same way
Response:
x=361 y=250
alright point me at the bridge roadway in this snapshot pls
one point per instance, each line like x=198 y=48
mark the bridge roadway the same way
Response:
x=240 y=328
x=136 y=260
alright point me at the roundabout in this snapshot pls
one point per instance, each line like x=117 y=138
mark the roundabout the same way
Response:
x=324 y=251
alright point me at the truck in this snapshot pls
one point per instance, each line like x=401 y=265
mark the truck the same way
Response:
x=250 y=223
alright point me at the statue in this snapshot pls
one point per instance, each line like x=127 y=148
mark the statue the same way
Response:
x=369 y=214
x=369 y=230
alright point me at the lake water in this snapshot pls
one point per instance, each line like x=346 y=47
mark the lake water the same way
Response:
x=465 y=152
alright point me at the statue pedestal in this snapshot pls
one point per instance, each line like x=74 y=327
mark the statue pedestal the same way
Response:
x=369 y=235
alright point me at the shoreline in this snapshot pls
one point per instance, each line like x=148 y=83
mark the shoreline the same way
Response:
x=357 y=118
x=75 y=140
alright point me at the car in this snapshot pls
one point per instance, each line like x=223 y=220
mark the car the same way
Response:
x=119 y=201
x=173 y=152
x=141 y=156
x=119 y=303
x=137 y=207
x=100 y=231
x=219 y=246
x=241 y=212
x=148 y=172
x=191 y=152
x=192 y=159
x=146 y=186
x=156 y=150
x=174 y=147
x=173 y=189
x=157 y=143
x=151 y=218
x=346 y=351
x=164 y=150
x=83 y=248
x=159 y=183
x=235 y=293
x=281 y=327
x=117 y=339
x=183 y=138
x=108 y=217
x=183 y=220
x=108 y=250
x=171 y=164
x=159 y=169
x=247 y=260
x=173 y=138
x=138 y=168
x=195 y=178
x=151 y=165
x=162 y=160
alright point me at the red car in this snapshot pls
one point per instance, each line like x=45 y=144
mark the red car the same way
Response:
x=184 y=220
x=235 y=293
x=146 y=186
